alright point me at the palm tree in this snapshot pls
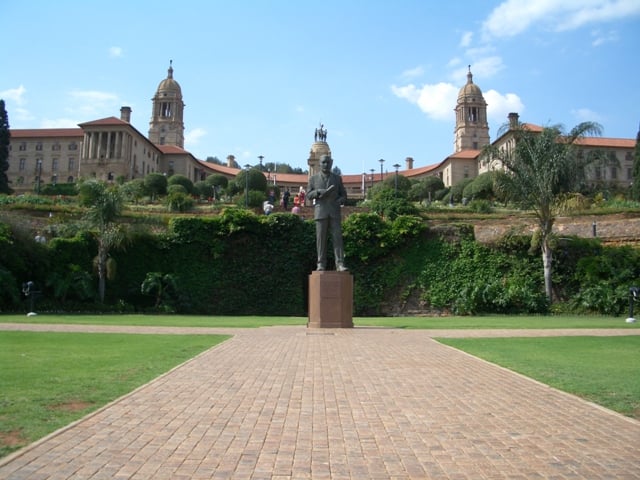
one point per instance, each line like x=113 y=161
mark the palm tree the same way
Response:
x=540 y=168
x=105 y=204
x=160 y=284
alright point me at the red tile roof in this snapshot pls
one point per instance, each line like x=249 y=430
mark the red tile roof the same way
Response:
x=46 y=132
x=105 y=121
x=168 y=149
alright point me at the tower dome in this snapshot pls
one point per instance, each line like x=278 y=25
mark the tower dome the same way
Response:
x=169 y=85
x=472 y=128
x=166 y=126
x=470 y=90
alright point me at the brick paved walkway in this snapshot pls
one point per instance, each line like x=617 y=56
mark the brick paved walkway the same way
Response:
x=362 y=403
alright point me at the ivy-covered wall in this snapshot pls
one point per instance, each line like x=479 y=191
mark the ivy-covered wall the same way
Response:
x=240 y=263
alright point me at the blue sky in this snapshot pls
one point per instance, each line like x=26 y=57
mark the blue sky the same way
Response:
x=259 y=76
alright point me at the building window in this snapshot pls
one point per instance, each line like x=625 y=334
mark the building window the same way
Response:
x=466 y=171
x=72 y=164
x=70 y=179
x=73 y=146
x=54 y=165
x=598 y=173
x=39 y=146
x=22 y=165
x=629 y=173
x=55 y=147
x=23 y=146
x=614 y=173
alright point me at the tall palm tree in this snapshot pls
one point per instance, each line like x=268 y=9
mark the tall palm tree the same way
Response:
x=540 y=168
x=105 y=204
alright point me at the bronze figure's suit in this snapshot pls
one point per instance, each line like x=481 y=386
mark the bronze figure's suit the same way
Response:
x=328 y=191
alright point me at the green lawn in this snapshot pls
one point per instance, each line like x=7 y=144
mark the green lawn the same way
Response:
x=493 y=322
x=48 y=380
x=604 y=370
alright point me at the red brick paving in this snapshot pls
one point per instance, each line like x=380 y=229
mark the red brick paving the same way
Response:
x=363 y=403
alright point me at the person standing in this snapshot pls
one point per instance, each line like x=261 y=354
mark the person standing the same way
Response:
x=285 y=199
x=328 y=194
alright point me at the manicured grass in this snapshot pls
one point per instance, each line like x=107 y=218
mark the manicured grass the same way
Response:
x=498 y=322
x=158 y=320
x=490 y=322
x=48 y=380
x=604 y=370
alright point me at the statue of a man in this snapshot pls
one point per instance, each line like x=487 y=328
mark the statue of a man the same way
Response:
x=327 y=192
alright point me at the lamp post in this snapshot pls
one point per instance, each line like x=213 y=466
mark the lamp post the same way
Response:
x=260 y=157
x=39 y=163
x=396 y=166
x=381 y=162
x=246 y=185
x=372 y=170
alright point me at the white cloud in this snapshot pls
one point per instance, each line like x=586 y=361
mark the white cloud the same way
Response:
x=500 y=105
x=513 y=17
x=59 y=123
x=115 y=52
x=14 y=94
x=600 y=37
x=192 y=137
x=485 y=67
x=413 y=72
x=465 y=41
x=434 y=100
x=21 y=115
x=585 y=115
x=90 y=103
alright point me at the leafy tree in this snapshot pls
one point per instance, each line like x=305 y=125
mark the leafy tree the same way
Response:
x=5 y=136
x=457 y=191
x=255 y=181
x=404 y=184
x=178 y=179
x=635 y=187
x=426 y=188
x=388 y=203
x=134 y=190
x=156 y=184
x=542 y=167
x=178 y=200
x=106 y=203
x=481 y=187
x=217 y=183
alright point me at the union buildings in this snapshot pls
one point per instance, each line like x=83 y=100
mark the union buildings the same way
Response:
x=112 y=148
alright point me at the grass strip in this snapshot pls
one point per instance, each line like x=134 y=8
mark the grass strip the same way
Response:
x=478 y=322
x=603 y=370
x=48 y=380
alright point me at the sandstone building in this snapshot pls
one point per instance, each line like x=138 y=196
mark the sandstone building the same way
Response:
x=112 y=148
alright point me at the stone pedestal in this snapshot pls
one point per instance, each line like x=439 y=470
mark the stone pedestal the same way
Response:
x=330 y=300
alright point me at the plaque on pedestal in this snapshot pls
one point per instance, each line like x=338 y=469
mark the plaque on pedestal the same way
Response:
x=330 y=300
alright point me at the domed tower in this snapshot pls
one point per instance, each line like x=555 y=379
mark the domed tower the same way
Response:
x=319 y=148
x=472 y=129
x=166 y=126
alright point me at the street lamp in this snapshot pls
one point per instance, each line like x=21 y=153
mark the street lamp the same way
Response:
x=372 y=170
x=260 y=157
x=396 y=166
x=246 y=185
x=39 y=163
x=381 y=162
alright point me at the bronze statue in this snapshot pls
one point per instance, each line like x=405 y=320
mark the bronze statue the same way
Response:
x=328 y=194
